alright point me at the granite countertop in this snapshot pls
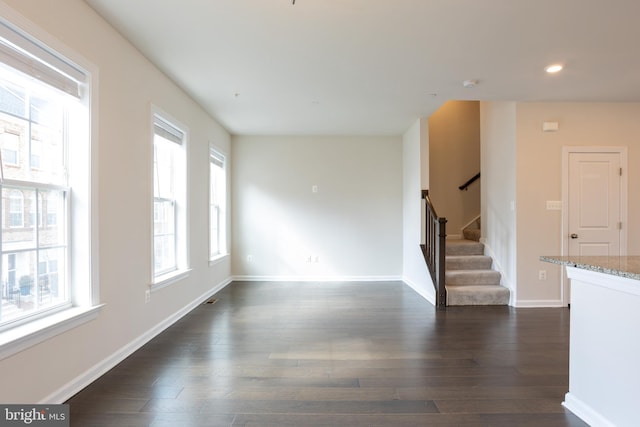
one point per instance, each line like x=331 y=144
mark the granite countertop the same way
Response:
x=623 y=266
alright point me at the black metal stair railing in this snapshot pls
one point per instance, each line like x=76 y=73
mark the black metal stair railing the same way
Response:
x=434 y=249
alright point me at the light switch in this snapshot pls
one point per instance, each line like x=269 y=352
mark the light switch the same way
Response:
x=554 y=205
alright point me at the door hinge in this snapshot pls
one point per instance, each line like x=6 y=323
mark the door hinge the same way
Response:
x=620 y=225
x=620 y=171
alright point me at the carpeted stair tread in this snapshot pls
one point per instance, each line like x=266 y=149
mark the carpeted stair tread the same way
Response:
x=464 y=247
x=468 y=262
x=477 y=295
x=472 y=277
x=469 y=278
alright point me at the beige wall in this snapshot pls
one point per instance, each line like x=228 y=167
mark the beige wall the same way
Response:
x=539 y=177
x=454 y=158
x=127 y=87
x=351 y=228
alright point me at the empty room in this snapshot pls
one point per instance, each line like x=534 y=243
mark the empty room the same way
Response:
x=318 y=213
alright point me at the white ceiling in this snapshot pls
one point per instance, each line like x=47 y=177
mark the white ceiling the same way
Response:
x=376 y=66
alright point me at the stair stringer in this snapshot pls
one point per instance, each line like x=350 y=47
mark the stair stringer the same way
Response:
x=504 y=278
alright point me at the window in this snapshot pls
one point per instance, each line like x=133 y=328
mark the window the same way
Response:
x=15 y=202
x=45 y=259
x=169 y=199
x=10 y=144
x=217 y=204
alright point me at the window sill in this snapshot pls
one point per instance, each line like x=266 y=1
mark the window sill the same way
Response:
x=169 y=279
x=22 y=337
x=217 y=259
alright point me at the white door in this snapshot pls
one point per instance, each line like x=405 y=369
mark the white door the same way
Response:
x=595 y=200
x=594 y=204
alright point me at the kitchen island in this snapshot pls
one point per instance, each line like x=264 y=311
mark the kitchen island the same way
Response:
x=604 y=347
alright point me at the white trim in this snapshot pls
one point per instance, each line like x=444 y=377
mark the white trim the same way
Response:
x=168 y=279
x=430 y=298
x=96 y=371
x=318 y=278
x=22 y=337
x=533 y=303
x=585 y=412
x=218 y=259
x=624 y=195
x=223 y=234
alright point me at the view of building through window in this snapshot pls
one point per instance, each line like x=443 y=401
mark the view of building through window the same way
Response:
x=34 y=196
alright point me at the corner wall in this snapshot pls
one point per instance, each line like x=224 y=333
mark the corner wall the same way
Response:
x=498 y=201
x=415 y=161
x=454 y=158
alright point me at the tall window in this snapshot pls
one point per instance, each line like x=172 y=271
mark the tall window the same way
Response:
x=169 y=198
x=43 y=118
x=217 y=204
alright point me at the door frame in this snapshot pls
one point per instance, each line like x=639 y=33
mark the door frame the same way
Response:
x=564 y=236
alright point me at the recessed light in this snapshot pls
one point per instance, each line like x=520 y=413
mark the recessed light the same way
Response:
x=554 y=68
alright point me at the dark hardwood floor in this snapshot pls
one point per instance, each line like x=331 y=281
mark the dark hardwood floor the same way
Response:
x=339 y=354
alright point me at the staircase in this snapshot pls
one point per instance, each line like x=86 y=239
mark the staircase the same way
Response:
x=469 y=278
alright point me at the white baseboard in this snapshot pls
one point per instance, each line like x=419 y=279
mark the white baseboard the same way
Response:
x=539 y=303
x=429 y=297
x=585 y=412
x=72 y=387
x=249 y=278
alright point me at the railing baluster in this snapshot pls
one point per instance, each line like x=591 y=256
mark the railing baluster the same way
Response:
x=435 y=249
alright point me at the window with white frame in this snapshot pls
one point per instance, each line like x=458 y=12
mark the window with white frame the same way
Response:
x=169 y=198
x=44 y=116
x=217 y=204
x=10 y=148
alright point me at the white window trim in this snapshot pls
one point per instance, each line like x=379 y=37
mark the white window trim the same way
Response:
x=218 y=259
x=224 y=250
x=85 y=298
x=182 y=224
x=20 y=338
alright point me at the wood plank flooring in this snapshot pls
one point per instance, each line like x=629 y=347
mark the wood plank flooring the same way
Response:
x=339 y=354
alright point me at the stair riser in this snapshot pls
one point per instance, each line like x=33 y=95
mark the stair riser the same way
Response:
x=472 y=262
x=496 y=295
x=472 y=277
x=467 y=249
x=471 y=234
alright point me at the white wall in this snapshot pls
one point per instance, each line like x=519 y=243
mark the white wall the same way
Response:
x=498 y=164
x=350 y=229
x=128 y=85
x=415 y=178
x=539 y=178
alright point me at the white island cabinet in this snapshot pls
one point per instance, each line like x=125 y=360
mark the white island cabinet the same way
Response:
x=604 y=349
